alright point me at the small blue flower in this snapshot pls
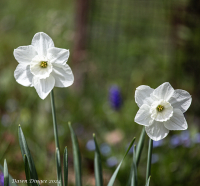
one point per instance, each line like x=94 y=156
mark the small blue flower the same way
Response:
x=112 y=161
x=175 y=141
x=105 y=149
x=157 y=143
x=115 y=97
x=197 y=138
x=185 y=138
x=1 y=179
x=90 y=145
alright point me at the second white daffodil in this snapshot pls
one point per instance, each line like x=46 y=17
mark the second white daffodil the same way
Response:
x=161 y=109
x=42 y=65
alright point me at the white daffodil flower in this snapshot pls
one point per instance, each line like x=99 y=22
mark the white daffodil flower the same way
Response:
x=161 y=109
x=43 y=66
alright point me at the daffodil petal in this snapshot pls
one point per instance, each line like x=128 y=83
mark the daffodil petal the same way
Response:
x=141 y=93
x=58 y=56
x=41 y=43
x=164 y=91
x=23 y=75
x=156 y=131
x=181 y=99
x=43 y=86
x=143 y=116
x=177 y=121
x=150 y=100
x=24 y=54
x=63 y=76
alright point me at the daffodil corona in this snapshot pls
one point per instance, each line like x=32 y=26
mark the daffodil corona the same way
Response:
x=161 y=109
x=42 y=66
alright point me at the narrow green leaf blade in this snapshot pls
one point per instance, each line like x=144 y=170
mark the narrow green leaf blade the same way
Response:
x=10 y=177
x=76 y=156
x=59 y=171
x=147 y=184
x=27 y=170
x=148 y=170
x=112 y=180
x=65 y=167
x=25 y=150
x=6 y=175
x=97 y=165
x=134 y=169
x=140 y=146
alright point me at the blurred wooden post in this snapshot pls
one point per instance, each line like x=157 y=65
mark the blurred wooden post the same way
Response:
x=80 y=30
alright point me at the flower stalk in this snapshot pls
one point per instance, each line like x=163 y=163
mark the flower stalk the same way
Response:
x=58 y=164
x=54 y=120
x=148 y=171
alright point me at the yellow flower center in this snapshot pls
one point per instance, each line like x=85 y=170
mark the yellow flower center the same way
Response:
x=43 y=64
x=160 y=108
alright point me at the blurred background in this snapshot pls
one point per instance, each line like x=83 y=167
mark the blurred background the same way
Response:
x=115 y=46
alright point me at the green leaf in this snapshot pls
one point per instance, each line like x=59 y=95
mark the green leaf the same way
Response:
x=65 y=167
x=140 y=146
x=139 y=149
x=27 y=170
x=59 y=171
x=97 y=165
x=10 y=177
x=6 y=175
x=134 y=169
x=25 y=151
x=147 y=184
x=112 y=180
x=77 y=157
x=148 y=171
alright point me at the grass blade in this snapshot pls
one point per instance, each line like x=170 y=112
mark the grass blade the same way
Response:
x=77 y=157
x=134 y=169
x=148 y=171
x=97 y=165
x=10 y=177
x=140 y=146
x=65 y=167
x=6 y=175
x=27 y=170
x=112 y=180
x=147 y=184
x=25 y=151
x=59 y=171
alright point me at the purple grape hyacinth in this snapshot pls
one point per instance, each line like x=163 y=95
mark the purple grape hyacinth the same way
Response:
x=115 y=97
x=1 y=179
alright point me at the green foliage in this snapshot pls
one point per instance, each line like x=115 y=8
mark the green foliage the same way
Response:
x=97 y=165
x=77 y=157
x=112 y=179
x=6 y=175
x=140 y=146
x=10 y=177
x=148 y=181
x=65 y=164
x=27 y=156
x=149 y=157
x=134 y=169
x=59 y=170
x=27 y=170
x=131 y=43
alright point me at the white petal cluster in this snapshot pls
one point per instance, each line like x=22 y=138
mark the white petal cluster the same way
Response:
x=42 y=66
x=161 y=109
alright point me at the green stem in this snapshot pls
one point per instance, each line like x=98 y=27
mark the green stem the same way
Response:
x=148 y=172
x=58 y=164
x=54 y=120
